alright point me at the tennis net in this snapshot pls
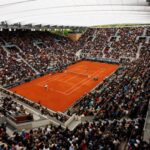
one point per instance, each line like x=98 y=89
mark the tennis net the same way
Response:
x=77 y=73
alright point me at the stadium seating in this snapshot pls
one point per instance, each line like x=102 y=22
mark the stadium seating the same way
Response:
x=118 y=105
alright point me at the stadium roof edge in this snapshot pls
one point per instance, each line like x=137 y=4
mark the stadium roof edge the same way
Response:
x=5 y=25
x=76 y=13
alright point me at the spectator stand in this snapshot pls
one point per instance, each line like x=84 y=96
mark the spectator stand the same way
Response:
x=146 y=130
x=122 y=117
x=45 y=116
x=83 y=118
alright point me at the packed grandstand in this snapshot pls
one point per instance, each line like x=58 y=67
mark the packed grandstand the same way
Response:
x=117 y=106
x=91 y=93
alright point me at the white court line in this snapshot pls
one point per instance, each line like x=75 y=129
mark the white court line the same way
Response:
x=51 y=89
x=70 y=78
x=58 y=91
x=83 y=80
x=45 y=81
x=55 y=80
x=67 y=91
x=81 y=66
x=63 y=82
x=41 y=83
x=82 y=83
x=73 y=77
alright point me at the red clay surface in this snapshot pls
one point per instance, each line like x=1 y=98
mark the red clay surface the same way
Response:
x=65 y=88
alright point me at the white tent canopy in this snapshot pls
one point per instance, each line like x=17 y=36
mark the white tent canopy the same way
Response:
x=74 y=12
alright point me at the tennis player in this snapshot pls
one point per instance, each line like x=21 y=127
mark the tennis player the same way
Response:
x=46 y=87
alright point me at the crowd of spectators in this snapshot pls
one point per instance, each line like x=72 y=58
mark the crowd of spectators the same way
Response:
x=38 y=107
x=121 y=94
x=8 y=106
x=12 y=68
x=126 y=46
x=124 y=95
x=111 y=42
x=87 y=136
x=14 y=110
x=118 y=105
x=55 y=50
x=45 y=51
x=95 y=40
x=148 y=31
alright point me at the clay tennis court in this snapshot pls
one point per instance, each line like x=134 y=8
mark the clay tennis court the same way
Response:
x=63 y=89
